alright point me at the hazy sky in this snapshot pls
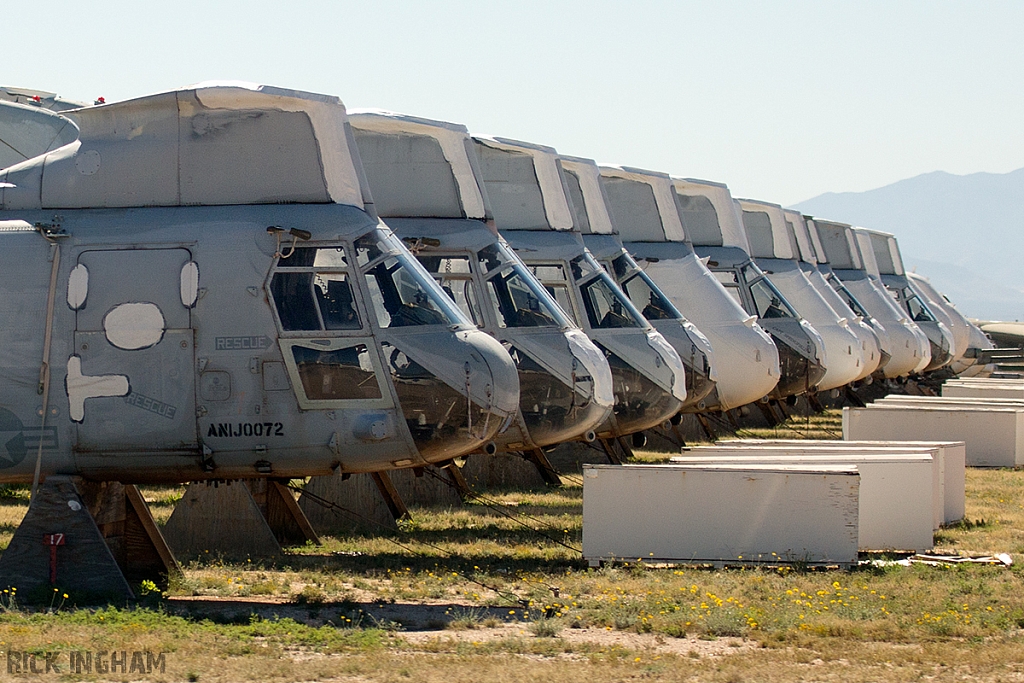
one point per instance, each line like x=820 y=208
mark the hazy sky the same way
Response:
x=781 y=100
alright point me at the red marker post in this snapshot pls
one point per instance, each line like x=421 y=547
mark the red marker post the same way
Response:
x=53 y=540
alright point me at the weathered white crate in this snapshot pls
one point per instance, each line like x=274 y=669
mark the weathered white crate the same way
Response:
x=993 y=436
x=992 y=402
x=898 y=491
x=950 y=463
x=709 y=514
x=982 y=391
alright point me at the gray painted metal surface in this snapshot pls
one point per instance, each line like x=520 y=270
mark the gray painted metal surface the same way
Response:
x=281 y=330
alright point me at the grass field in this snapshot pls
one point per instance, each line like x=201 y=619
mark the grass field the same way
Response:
x=499 y=592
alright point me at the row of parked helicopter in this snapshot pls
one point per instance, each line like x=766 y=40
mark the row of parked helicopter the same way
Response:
x=239 y=281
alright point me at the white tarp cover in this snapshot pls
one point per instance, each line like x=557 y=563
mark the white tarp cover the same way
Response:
x=208 y=144
x=593 y=215
x=961 y=325
x=805 y=245
x=27 y=131
x=643 y=206
x=867 y=252
x=547 y=177
x=838 y=243
x=730 y=222
x=769 y=218
x=885 y=250
x=452 y=138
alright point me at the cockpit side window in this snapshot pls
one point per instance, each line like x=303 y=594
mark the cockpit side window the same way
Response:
x=768 y=302
x=311 y=291
x=642 y=291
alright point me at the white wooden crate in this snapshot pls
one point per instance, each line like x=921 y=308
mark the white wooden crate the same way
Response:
x=709 y=514
x=950 y=464
x=993 y=436
x=898 y=491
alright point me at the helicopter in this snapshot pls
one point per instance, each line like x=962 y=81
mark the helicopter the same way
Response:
x=590 y=209
x=644 y=209
x=710 y=208
x=532 y=212
x=198 y=287
x=774 y=249
x=839 y=259
x=424 y=177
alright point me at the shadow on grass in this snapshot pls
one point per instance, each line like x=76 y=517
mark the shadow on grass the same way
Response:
x=385 y=615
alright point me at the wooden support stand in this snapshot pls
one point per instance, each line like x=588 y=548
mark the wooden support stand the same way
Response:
x=547 y=471
x=342 y=504
x=131 y=533
x=390 y=495
x=88 y=539
x=242 y=518
x=705 y=424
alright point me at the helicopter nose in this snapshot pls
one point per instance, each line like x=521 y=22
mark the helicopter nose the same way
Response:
x=456 y=390
x=940 y=340
x=801 y=365
x=565 y=388
x=696 y=361
x=648 y=389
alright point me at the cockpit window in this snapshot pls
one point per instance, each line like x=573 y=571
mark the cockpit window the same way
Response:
x=517 y=303
x=606 y=305
x=584 y=266
x=552 y=277
x=311 y=291
x=402 y=292
x=731 y=281
x=336 y=374
x=916 y=309
x=518 y=299
x=493 y=256
x=454 y=275
x=604 y=308
x=769 y=302
x=644 y=294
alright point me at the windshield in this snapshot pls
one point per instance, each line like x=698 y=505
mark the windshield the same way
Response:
x=642 y=291
x=402 y=292
x=607 y=307
x=519 y=300
x=456 y=280
x=768 y=301
x=918 y=312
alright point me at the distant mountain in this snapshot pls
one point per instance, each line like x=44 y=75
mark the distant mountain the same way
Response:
x=966 y=233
